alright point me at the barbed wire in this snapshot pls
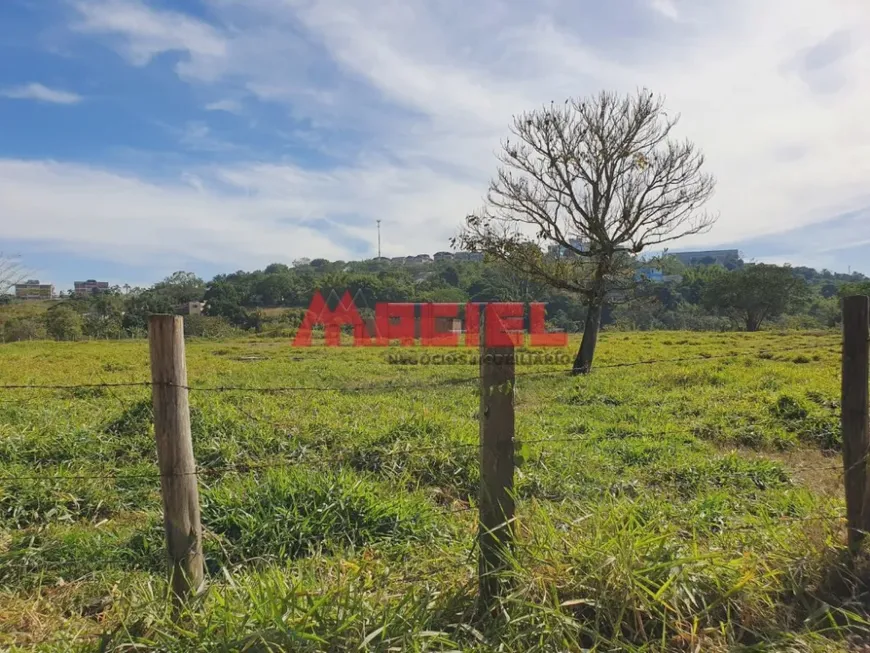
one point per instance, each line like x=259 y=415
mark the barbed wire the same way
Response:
x=390 y=386
x=478 y=377
x=31 y=565
x=254 y=466
x=78 y=386
x=305 y=447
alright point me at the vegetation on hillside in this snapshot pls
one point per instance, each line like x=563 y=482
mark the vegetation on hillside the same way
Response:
x=273 y=301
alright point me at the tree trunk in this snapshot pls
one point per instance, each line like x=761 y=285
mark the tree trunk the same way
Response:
x=583 y=361
x=752 y=323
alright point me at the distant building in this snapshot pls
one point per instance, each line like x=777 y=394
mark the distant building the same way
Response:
x=651 y=274
x=559 y=251
x=579 y=244
x=711 y=257
x=439 y=256
x=191 y=308
x=468 y=256
x=382 y=259
x=89 y=287
x=32 y=289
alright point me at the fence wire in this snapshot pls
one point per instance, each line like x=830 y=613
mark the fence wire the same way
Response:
x=389 y=387
x=249 y=467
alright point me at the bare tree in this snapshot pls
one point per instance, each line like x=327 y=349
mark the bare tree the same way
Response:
x=11 y=272
x=598 y=180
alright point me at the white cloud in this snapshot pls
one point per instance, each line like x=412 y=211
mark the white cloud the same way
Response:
x=147 y=32
x=429 y=89
x=667 y=8
x=725 y=76
x=248 y=214
x=130 y=220
x=197 y=135
x=40 y=93
x=230 y=106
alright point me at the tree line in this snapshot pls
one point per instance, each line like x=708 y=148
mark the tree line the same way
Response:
x=272 y=301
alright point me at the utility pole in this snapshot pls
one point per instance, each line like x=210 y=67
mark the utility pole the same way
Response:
x=379 y=238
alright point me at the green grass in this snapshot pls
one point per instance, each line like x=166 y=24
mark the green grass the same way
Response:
x=691 y=505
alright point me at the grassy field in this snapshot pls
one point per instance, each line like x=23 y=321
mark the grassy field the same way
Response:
x=692 y=505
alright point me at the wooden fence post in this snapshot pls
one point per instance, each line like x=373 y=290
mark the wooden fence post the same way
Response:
x=178 y=482
x=496 y=529
x=854 y=416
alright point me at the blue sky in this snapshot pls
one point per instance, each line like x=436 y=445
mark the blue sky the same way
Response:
x=141 y=137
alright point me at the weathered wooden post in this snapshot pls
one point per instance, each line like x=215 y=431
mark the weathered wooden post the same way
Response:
x=854 y=416
x=496 y=528
x=178 y=482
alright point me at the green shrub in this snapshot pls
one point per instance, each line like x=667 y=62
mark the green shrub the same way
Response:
x=24 y=328
x=789 y=408
x=207 y=326
x=63 y=323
